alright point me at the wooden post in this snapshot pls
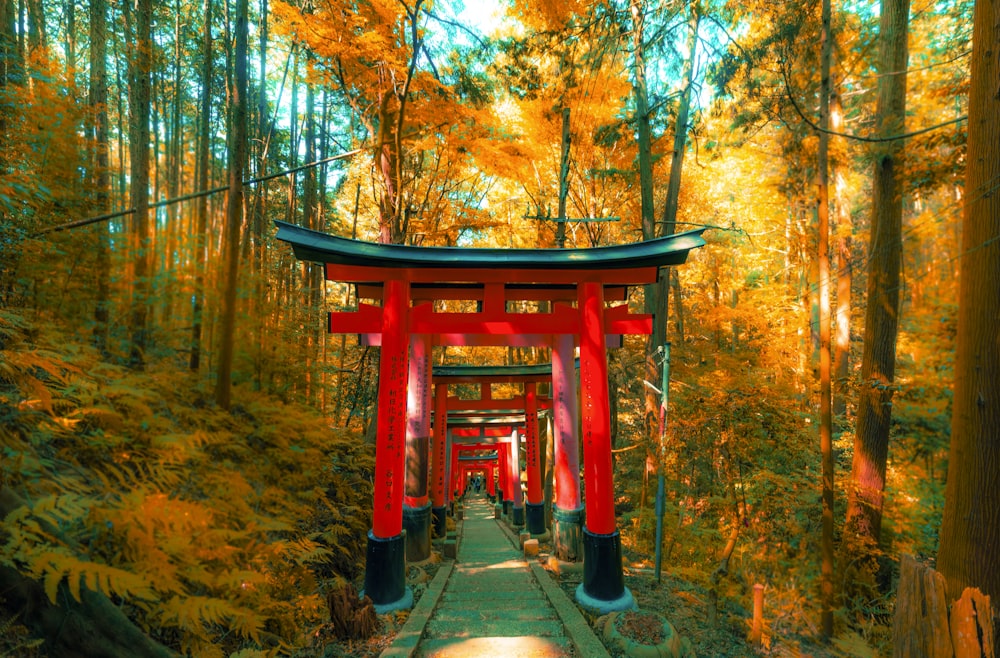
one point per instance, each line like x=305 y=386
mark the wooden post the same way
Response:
x=757 y=630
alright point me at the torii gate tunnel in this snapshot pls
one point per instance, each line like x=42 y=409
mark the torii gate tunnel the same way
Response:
x=408 y=280
x=530 y=404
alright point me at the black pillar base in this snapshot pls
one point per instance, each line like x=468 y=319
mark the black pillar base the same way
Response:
x=506 y=507
x=517 y=517
x=417 y=528
x=567 y=533
x=385 y=574
x=440 y=521
x=603 y=589
x=534 y=515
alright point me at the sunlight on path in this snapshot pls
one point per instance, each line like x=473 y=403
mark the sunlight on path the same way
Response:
x=492 y=605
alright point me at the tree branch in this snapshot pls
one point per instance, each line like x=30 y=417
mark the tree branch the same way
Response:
x=858 y=138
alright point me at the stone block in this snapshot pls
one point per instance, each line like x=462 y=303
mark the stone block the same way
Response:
x=531 y=548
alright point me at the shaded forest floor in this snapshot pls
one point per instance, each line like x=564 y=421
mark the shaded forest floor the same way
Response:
x=221 y=534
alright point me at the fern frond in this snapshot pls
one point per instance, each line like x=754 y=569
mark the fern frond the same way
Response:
x=307 y=551
x=54 y=565
x=192 y=612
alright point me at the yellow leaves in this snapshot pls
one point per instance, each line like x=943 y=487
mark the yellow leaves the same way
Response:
x=192 y=612
x=54 y=565
x=305 y=551
x=195 y=518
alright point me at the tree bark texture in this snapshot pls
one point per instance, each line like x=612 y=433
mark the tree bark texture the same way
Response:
x=823 y=262
x=234 y=209
x=101 y=174
x=920 y=623
x=970 y=530
x=201 y=208
x=878 y=362
x=843 y=229
x=924 y=627
x=139 y=66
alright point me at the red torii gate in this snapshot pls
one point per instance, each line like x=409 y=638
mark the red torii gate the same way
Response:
x=409 y=279
x=500 y=432
x=529 y=403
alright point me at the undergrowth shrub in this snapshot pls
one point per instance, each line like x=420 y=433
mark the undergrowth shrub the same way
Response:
x=216 y=532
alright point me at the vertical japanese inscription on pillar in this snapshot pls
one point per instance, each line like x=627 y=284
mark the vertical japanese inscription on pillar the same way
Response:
x=417 y=421
x=394 y=440
x=387 y=520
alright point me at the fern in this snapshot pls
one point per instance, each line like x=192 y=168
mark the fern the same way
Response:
x=192 y=613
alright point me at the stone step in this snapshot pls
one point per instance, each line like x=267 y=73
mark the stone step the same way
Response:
x=493 y=611
x=533 y=597
x=522 y=647
x=446 y=628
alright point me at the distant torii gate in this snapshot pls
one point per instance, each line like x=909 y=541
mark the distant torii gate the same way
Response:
x=529 y=403
x=408 y=280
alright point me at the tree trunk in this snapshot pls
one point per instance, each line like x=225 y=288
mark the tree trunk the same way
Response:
x=871 y=442
x=263 y=142
x=644 y=144
x=970 y=530
x=139 y=65
x=101 y=174
x=657 y=296
x=10 y=60
x=843 y=229
x=924 y=627
x=201 y=209
x=234 y=207
x=823 y=261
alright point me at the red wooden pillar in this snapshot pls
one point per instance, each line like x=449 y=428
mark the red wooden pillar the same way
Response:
x=534 y=509
x=567 y=512
x=416 y=503
x=503 y=476
x=603 y=588
x=385 y=579
x=453 y=472
x=491 y=487
x=514 y=464
x=440 y=454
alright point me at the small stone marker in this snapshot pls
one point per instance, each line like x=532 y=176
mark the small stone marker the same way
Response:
x=531 y=548
x=450 y=548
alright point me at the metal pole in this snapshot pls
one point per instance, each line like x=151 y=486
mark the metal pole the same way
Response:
x=661 y=479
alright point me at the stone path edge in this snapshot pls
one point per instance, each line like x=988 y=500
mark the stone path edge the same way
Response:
x=577 y=628
x=406 y=640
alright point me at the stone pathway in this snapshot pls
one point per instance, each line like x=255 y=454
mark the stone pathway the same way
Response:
x=492 y=602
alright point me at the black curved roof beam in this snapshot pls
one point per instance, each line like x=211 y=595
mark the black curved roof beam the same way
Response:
x=317 y=247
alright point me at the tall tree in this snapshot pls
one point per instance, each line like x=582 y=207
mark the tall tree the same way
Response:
x=101 y=174
x=140 y=14
x=201 y=207
x=237 y=133
x=656 y=296
x=878 y=361
x=376 y=71
x=842 y=227
x=970 y=531
x=823 y=259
